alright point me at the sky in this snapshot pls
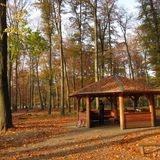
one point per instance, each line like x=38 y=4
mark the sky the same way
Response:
x=129 y=4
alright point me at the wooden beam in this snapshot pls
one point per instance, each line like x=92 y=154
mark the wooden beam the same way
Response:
x=78 y=107
x=121 y=111
x=78 y=103
x=152 y=110
x=88 y=108
x=142 y=145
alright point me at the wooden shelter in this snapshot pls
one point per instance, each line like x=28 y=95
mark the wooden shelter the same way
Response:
x=116 y=88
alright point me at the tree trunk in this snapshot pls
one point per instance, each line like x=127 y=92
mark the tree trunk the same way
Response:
x=16 y=92
x=146 y=68
x=51 y=78
x=57 y=96
x=20 y=98
x=5 y=108
x=96 y=47
x=102 y=38
x=3 y=117
x=16 y=69
x=61 y=56
x=31 y=87
x=10 y=77
x=80 y=43
x=38 y=85
x=96 y=41
x=110 y=46
x=74 y=84
x=102 y=59
x=129 y=56
x=68 y=90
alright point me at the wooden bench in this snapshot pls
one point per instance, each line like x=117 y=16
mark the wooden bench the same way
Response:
x=107 y=115
x=95 y=116
x=143 y=145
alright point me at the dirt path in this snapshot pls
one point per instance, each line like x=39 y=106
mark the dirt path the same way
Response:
x=83 y=143
x=39 y=137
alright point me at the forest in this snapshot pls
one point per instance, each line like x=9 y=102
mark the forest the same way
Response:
x=76 y=42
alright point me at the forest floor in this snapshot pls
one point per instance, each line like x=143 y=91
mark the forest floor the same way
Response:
x=38 y=136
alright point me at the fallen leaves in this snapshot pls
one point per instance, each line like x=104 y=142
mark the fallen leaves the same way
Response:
x=38 y=136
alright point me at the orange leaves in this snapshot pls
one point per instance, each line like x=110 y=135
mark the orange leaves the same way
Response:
x=38 y=136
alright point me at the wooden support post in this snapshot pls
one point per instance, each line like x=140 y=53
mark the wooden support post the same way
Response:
x=78 y=103
x=88 y=108
x=78 y=106
x=121 y=111
x=152 y=110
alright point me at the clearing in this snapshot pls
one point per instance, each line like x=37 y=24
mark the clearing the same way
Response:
x=38 y=136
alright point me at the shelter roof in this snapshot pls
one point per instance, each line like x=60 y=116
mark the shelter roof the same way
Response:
x=115 y=85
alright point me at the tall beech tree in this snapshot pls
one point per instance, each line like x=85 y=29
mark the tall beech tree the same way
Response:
x=77 y=19
x=17 y=13
x=5 y=108
x=59 y=4
x=149 y=13
x=124 y=22
x=95 y=40
x=47 y=17
x=57 y=20
x=106 y=32
x=37 y=45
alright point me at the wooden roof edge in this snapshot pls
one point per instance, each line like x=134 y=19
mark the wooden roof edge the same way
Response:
x=76 y=94
x=121 y=83
x=93 y=93
x=84 y=94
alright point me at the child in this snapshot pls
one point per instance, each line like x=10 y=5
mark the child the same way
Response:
x=82 y=119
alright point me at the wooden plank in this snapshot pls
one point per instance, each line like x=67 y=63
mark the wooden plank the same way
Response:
x=139 y=118
x=143 y=145
x=88 y=108
x=134 y=120
x=149 y=144
x=139 y=125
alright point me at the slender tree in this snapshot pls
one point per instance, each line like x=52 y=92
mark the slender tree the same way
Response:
x=59 y=3
x=37 y=45
x=96 y=40
x=46 y=9
x=149 y=13
x=77 y=11
x=124 y=20
x=5 y=108
x=106 y=32
x=16 y=24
